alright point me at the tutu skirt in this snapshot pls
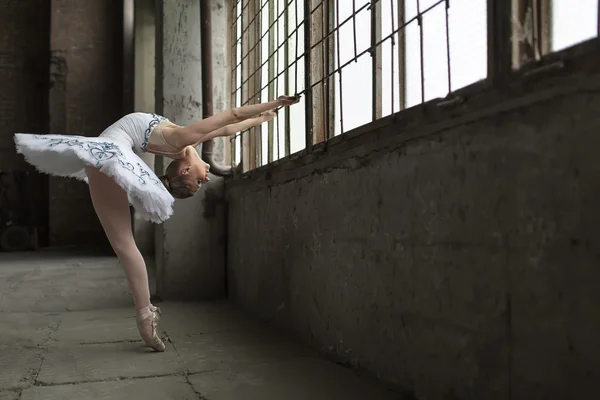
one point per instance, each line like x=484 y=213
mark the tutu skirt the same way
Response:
x=70 y=155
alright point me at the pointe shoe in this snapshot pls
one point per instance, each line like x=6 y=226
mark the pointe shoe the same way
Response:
x=147 y=323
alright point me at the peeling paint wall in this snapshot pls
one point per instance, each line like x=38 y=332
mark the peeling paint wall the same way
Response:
x=456 y=258
x=190 y=246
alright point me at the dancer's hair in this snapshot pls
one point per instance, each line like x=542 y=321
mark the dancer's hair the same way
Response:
x=180 y=186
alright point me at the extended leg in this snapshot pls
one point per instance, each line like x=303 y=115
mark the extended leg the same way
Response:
x=112 y=207
x=197 y=132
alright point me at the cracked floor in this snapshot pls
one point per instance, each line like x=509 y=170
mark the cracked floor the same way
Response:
x=67 y=331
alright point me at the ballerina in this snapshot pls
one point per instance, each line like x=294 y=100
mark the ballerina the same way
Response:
x=117 y=177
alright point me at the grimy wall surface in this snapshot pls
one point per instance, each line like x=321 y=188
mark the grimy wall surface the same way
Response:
x=453 y=252
x=190 y=246
x=85 y=97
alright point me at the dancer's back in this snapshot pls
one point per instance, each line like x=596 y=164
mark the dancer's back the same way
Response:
x=134 y=129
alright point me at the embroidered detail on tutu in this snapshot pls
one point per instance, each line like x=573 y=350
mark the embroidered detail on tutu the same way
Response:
x=103 y=151
x=156 y=119
x=142 y=174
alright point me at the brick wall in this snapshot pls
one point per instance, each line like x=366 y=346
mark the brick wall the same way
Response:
x=60 y=71
x=86 y=97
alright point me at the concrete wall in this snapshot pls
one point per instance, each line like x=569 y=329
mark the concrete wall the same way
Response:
x=453 y=252
x=85 y=97
x=190 y=247
x=144 y=66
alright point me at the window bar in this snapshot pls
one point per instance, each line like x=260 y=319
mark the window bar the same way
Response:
x=598 y=11
x=392 y=44
x=517 y=13
x=329 y=67
x=534 y=4
x=235 y=17
x=448 y=47
x=420 y=21
x=332 y=33
x=245 y=155
x=286 y=79
x=401 y=54
x=270 y=27
x=323 y=135
x=277 y=74
x=545 y=26
x=261 y=37
x=354 y=29
x=257 y=137
x=271 y=69
x=337 y=24
x=308 y=103
x=297 y=34
x=253 y=62
x=317 y=72
x=368 y=50
x=325 y=69
x=256 y=15
x=503 y=45
x=376 y=81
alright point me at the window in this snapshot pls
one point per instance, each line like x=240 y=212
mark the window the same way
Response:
x=544 y=26
x=572 y=22
x=268 y=61
x=355 y=61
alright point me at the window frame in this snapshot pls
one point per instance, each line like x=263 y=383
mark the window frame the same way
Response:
x=507 y=59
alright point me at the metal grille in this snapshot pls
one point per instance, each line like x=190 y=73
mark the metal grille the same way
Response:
x=267 y=58
x=353 y=61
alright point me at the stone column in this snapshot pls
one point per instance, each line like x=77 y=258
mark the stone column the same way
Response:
x=145 y=47
x=190 y=250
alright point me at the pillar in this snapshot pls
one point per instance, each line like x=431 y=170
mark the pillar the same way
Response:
x=190 y=246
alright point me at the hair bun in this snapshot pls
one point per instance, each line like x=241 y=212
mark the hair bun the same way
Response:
x=165 y=181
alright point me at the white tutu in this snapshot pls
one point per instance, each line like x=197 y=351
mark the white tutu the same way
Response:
x=113 y=154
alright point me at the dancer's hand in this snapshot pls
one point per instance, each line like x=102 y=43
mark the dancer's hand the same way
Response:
x=288 y=100
x=268 y=115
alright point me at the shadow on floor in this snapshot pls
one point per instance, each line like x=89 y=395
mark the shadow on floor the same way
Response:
x=67 y=331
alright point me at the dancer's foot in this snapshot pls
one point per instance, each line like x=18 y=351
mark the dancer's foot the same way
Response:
x=147 y=322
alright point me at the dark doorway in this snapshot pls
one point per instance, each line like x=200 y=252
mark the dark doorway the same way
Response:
x=24 y=79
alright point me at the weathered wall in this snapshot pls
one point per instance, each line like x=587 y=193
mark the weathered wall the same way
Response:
x=144 y=66
x=23 y=74
x=190 y=248
x=457 y=258
x=85 y=97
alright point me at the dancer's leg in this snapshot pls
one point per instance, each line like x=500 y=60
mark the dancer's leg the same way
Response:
x=197 y=132
x=112 y=207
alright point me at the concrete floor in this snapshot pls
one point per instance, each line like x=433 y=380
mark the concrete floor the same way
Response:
x=67 y=331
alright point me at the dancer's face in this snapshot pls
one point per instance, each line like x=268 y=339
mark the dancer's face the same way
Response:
x=194 y=166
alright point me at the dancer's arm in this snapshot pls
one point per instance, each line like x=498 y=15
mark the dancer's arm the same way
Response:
x=197 y=132
x=232 y=129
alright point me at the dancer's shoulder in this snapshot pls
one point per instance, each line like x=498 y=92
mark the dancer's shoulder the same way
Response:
x=143 y=115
